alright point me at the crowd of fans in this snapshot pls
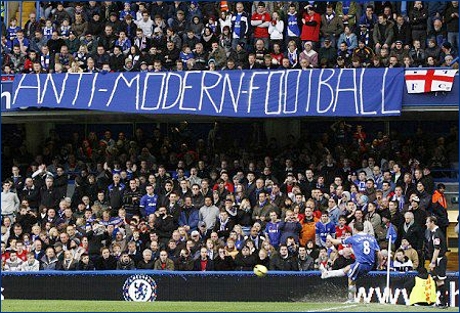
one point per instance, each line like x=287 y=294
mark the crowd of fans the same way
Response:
x=115 y=36
x=167 y=202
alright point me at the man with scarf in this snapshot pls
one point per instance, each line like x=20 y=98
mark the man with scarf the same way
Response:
x=331 y=25
x=369 y=19
x=413 y=233
x=224 y=225
x=239 y=25
x=293 y=25
x=292 y=54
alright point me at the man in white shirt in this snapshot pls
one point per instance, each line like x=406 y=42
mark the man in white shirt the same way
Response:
x=146 y=24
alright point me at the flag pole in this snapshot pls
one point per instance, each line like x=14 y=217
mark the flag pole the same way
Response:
x=388 y=270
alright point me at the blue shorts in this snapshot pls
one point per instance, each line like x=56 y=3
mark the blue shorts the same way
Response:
x=357 y=270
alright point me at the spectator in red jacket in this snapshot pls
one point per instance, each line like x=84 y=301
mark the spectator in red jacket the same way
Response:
x=260 y=20
x=311 y=25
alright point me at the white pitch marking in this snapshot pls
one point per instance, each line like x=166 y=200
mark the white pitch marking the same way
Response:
x=335 y=308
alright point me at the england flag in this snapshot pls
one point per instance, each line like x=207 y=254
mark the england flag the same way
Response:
x=420 y=81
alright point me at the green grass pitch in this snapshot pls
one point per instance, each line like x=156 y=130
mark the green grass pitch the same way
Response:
x=159 y=306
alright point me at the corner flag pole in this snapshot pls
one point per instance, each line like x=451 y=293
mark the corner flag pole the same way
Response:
x=387 y=295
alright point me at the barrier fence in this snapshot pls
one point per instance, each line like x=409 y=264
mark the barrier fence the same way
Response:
x=206 y=286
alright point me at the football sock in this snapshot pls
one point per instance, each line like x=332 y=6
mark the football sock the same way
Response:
x=336 y=273
x=351 y=292
x=443 y=297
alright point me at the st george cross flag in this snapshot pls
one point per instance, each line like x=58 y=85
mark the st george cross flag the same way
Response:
x=419 y=81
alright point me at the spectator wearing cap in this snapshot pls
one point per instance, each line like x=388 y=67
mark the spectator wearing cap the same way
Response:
x=433 y=50
x=410 y=252
x=90 y=42
x=311 y=26
x=451 y=21
x=398 y=51
x=196 y=26
x=310 y=55
x=418 y=22
x=449 y=62
x=328 y=52
x=193 y=10
x=347 y=11
x=331 y=26
x=95 y=25
x=447 y=50
x=383 y=33
x=73 y=43
x=420 y=215
x=126 y=11
x=114 y=22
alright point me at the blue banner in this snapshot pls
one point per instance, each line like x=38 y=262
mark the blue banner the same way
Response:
x=321 y=92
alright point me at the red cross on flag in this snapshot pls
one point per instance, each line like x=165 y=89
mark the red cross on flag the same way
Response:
x=419 y=81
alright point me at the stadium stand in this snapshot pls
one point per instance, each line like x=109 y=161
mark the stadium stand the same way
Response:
x=254 y=35
x=84 y=201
